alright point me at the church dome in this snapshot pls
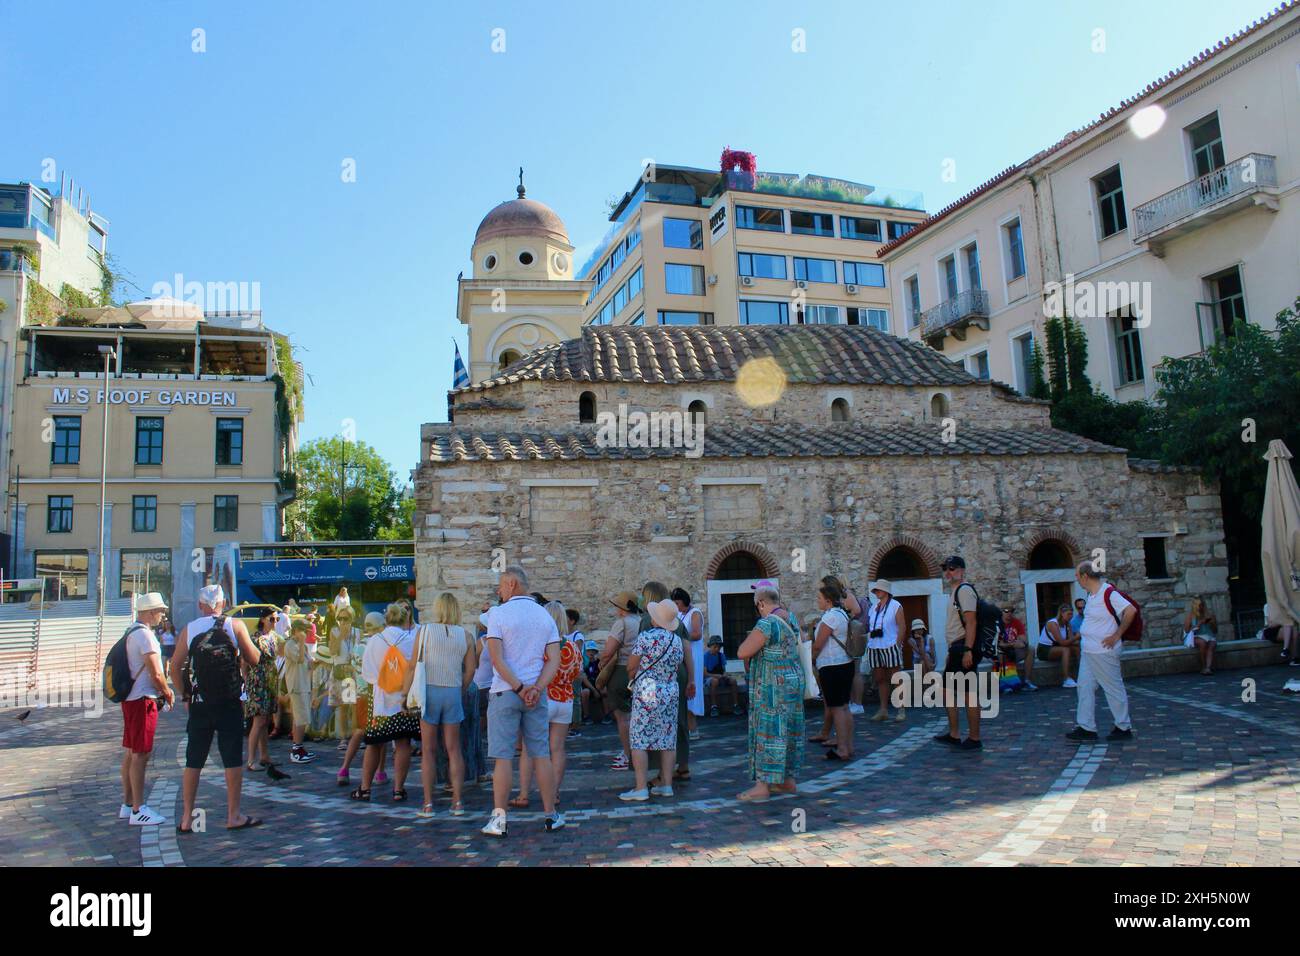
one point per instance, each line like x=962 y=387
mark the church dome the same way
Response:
x=519 y=218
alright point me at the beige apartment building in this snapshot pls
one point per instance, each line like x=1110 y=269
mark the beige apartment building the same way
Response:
x=202 y=431
x=1156 y=226
x=688 y=246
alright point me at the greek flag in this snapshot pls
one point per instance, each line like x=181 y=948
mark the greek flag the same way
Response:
x=458 y=373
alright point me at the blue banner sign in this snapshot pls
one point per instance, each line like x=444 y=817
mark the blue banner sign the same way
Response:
x=326 y=570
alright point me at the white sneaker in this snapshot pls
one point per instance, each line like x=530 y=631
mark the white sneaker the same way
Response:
x=856 y=709
x=635 y=796
x=146 y=817
x=496 y=826
x=125 y=812
x=555 y=822
x=1069 y=682
x=661 y=791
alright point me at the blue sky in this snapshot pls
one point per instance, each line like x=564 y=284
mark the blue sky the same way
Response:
x=226 y=165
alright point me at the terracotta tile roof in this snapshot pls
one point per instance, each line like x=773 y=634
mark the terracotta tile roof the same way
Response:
x=670 y=355
x=1155 y=86
x=452 y=444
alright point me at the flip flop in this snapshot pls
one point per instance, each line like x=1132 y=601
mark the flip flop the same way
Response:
x=248 y=822
x=818 y=740
x=834 y=755
x=681 y=775
x=519 y=803
x=184 y=831
x=746 y=798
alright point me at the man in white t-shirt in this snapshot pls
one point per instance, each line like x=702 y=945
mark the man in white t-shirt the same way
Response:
x=140 y=709
x=1099 y=660
x=524 y=644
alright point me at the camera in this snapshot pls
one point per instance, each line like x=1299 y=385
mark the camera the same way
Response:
x=878 y=633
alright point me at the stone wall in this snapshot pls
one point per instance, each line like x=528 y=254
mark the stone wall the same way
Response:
x=555 y=404
x=666 y=518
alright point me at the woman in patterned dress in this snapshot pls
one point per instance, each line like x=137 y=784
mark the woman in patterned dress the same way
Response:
x=652 y=683
x=262 y=686
x=776 y=686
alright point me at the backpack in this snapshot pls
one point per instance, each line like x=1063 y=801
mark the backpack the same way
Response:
x=117 y=676
x=988 y=621
x=855 y=645
x=1134 y=632
x=212 y=667
x=392 y=671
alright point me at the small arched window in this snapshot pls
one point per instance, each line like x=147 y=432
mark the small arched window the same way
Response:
x=508 y=357
x=938 y=407
x=697 y=412
x=587 y=407
x=839 y=410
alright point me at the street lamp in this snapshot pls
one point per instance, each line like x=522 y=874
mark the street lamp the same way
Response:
x=109 y=354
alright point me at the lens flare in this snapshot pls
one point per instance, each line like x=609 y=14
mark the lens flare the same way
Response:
x=760 y=382
x=1146 y=121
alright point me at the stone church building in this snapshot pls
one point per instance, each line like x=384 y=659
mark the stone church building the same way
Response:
x=825 y=449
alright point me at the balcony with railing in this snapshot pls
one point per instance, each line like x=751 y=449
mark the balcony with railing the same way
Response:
x=1248 y=181
x=17 y=260
x=954 y=316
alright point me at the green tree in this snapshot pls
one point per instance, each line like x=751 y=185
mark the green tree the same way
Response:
x=346 y=492
x=1054 y=333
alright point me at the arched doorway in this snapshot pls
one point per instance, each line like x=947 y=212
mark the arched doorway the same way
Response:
x=731 y=576
x=1048 y=578
x=908 y=570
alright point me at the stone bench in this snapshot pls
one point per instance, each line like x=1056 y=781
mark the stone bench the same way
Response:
x=1174 y=659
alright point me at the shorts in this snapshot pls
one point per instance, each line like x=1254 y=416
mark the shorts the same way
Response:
x=507 y=716
x=837 y=683
x=1015 y=652
x=300 y=709
x=361 y=711
x=139 y=722
x=1044 y=652
x=955 y=653
x=559 y=712
x=891 y=656
x=442 y=705
x=619 y=697
x=400 y=726
x=226 y=721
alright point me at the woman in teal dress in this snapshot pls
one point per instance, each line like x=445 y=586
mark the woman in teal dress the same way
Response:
x=776 y=686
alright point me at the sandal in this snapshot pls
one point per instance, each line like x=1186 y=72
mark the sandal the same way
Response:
x=343 y=778
x=359 y=794
x=399 y=796
x=248 y=822
x=746 y=797
x=457 y=809
x=818 y=740
x=426 y=810
x=834 y=755
x=519 y=803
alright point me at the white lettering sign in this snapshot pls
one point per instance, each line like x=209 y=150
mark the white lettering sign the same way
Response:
x=140 y=396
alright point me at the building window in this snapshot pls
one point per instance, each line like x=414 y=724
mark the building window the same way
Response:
x=1110 y=202
x=587 y=407
x=1022 y=350
x=978 y=364
x=668 y=317
x=820 y=315
x=1157 y=560
x=1228 y=304
x=148 y=441
x=1128 y=348
x=971 y=255
x=639 y=320
x=897 y=230
x=225 y=513
x=66 y=449
x=230 y=441
x=876 y=318
x=913 y=287
x=682 y=279
x=697 y=412
x=145 y=571
x=814 y=270
x=760 y=217
x=508 y=358
x=683 y=233
x=67 y=574
x=761 y=266
x=144 y=512
x=854 y=228
x=949 y=267
x=938 y=407
x=1015 y=250
x=58 y=518
x=812 y=223
x=1207 y=145
x=756 y=312
x=864 y=273
x=839 y=410
x=635 y=282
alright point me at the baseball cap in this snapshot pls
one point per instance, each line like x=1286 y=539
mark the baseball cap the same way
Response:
x=952 y=561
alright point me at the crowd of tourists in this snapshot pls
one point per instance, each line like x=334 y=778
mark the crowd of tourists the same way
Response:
x=393 y=688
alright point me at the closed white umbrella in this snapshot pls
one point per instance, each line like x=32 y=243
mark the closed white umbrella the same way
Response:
x=1280 y=541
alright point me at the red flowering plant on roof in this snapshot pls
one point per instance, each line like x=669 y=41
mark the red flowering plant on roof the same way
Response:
x=739 y=168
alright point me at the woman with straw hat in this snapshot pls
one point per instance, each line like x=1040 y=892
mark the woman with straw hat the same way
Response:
x=652 y=674
x=886 y=628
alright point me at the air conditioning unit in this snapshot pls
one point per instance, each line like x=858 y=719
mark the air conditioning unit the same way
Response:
x=851 y=289
x=746 y=280
x=713 y=278
x=800 y=284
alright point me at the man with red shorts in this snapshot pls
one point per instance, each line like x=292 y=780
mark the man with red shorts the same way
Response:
x=140 y=709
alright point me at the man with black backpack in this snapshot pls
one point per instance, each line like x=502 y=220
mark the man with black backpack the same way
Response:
x=206 y=666
x=966 y=648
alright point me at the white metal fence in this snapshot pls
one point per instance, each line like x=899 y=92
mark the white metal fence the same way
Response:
x=63 y=637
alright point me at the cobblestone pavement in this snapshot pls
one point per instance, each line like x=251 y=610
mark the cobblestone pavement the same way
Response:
x=1209 y=779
